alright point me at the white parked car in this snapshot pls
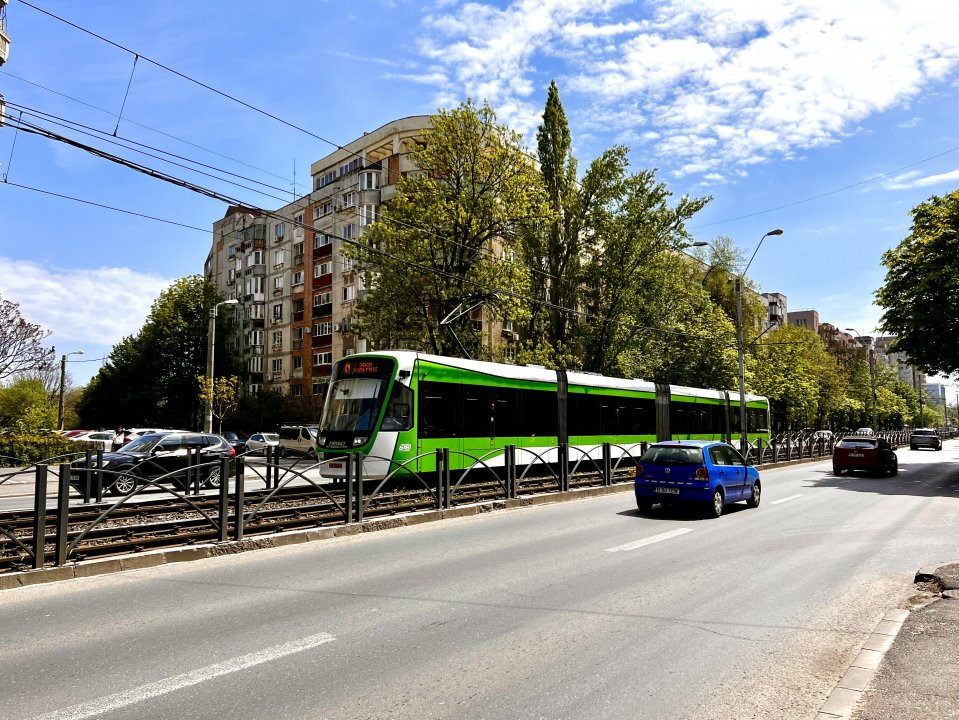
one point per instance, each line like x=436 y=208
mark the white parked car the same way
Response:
x=102 y=437
x=257 y=443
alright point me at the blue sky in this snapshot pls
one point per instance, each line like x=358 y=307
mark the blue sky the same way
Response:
x=828 y=119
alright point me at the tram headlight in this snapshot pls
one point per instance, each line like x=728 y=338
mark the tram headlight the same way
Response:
x=321 y=441
x=357 y=441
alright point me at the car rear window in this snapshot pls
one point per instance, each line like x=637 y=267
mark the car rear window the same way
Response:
x=924 y=432
x=857 y=443
x=673 y=455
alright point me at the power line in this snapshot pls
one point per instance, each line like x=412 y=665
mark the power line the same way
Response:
x=107 y=207
x=146 y=127
x=183 y=75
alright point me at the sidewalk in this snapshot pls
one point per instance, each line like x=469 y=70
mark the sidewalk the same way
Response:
x=918 y=678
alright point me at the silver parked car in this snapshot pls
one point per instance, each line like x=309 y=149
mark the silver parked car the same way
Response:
x=257 y=443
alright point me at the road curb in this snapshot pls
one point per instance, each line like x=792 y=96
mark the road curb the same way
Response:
x=847 y=693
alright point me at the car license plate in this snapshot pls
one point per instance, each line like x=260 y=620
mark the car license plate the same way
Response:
x=856 y=455
x=667 y=491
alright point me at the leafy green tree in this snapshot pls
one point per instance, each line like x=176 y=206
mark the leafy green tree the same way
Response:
x=150 y=378
x=26 y=407
x=632 y=233
x=921 y=291
x=787 y=367
x=446 y=241
x=553 y=250
x=223 y=394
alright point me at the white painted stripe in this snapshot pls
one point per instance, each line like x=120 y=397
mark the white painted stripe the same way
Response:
x=785 y=499
x=178 y=682
x=650 y=540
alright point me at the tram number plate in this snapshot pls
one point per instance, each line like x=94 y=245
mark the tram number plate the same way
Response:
x=856 y=455
x=667 y=491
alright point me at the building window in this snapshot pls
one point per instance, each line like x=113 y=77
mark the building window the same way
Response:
x=322 y=269
x=326 y=207
x=257 y=311
x=277 y=366
x=278 y=283
x=322 y=358
x=321 y=240
x=256 y=337
x=369 y=180
x=349 y=293
x=347 y=265
x=298 y=218
x=368 y=214
x=256 y=364
x=277 y=338
x=349 y=231
x=323 y=328
x=325 y=179
x=278 y=311
x=279 y=231
x=351 y=166
x=298 y=277
x=349 y=199
x=297 y=362
x=277 y=259
x=298 y=305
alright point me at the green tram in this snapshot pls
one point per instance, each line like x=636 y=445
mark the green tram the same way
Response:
x=403 y=405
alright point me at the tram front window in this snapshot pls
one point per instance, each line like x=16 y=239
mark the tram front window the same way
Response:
x=354 y=404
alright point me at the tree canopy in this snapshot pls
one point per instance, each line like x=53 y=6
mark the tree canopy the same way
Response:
x=921 y=291
x=21 y=343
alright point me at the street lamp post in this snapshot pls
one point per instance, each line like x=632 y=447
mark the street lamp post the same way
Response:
x=871 y=360
x=63 y=379
x=743 y=440
x=208 y=418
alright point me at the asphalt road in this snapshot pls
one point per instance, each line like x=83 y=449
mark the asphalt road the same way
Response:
x=576 y=610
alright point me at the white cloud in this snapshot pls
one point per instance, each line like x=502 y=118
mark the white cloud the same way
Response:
x=725 y=83
x=98 y=306
x=909 y=180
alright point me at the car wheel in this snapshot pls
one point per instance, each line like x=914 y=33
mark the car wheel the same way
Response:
x=836 y=470
x=913 y=447
x=124 y=484
x=754 y=499
x=213 y=479
x=645 y=506
x=311 y=453
x=715 y=508
x=893 y=467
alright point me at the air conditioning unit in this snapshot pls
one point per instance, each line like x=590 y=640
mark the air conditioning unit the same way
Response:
x=307 y=331
x=276 y=320
x=337 y=327
x=277 y=346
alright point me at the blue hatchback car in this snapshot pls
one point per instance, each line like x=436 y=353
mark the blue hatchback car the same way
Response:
x=708 y=472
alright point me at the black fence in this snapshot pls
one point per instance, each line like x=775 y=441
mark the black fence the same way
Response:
x=216 y=501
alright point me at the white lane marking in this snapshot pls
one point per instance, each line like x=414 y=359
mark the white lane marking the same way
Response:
x=650 y=540
x=785 y=499
x=178 y=682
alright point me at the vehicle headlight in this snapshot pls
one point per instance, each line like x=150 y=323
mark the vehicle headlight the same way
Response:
x=357 y=441
x=321 y=441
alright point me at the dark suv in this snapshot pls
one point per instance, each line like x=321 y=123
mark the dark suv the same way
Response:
x=925 y=437
x=163 y=455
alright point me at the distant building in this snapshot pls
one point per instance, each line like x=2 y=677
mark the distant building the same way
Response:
x=808 y=319
x=777 y=309
x=936 y=392
x=4 y=38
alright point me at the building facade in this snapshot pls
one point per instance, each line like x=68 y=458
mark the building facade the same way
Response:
x=296 y=289
x=777 y=310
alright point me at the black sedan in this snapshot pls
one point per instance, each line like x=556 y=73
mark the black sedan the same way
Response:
x=159 y=456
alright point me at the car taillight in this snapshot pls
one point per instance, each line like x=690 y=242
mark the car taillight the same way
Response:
x=232 y=452
x=639 y=471
x=702 y=473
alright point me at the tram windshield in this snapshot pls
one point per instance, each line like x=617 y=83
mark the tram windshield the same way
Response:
x=357 y=394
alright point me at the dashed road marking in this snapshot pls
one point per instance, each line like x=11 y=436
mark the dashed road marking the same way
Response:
x=785 y=499
x=185 y=680
x=650 y=540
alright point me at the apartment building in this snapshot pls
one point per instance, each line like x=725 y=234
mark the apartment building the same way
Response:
x=777 y=309
x=296 y=290
x=808 y=319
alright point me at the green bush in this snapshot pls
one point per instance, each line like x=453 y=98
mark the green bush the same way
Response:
x=17 y=450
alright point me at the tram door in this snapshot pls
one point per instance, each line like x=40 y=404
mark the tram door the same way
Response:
x=662 y=412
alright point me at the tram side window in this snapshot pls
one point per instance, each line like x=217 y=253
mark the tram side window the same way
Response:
x=644 y=416
x=583 y=414
x=679 y=418
x=439 y=409
x=506 y=413
x=477 y=414
x=399 y=409
x=539 y=410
